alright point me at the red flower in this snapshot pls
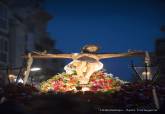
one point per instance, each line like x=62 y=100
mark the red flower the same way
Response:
x=110 y=81
x=57 y=85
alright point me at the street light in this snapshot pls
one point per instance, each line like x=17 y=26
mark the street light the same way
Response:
x=35 y=69
x=12 y=78
x=19 y=80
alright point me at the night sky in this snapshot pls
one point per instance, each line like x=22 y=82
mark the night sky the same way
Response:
x=114 y=25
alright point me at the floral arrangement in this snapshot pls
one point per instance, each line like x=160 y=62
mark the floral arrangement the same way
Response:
x=99 y=81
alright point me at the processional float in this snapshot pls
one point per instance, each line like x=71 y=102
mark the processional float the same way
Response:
x=87 y=62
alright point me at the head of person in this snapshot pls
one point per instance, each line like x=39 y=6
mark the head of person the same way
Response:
x=90 y=48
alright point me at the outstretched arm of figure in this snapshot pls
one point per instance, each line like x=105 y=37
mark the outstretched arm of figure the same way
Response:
x=46 y=56
x=118 y=55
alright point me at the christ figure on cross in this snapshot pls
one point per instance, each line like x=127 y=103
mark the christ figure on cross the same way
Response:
x=87 y=62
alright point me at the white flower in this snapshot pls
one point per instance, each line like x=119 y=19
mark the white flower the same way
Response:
x=110 y=75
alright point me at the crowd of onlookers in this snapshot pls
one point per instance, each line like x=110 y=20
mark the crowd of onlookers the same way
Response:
x=26 y=99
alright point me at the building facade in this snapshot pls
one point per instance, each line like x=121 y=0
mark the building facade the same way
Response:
x=23 y=25
x=4 y=40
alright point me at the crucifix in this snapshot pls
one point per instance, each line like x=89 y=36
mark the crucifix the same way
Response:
x=87 y=62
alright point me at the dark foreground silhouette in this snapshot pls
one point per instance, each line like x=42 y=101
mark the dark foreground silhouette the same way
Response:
x=26 y=99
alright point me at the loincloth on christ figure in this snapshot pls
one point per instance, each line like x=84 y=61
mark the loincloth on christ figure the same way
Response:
x=84 y=67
